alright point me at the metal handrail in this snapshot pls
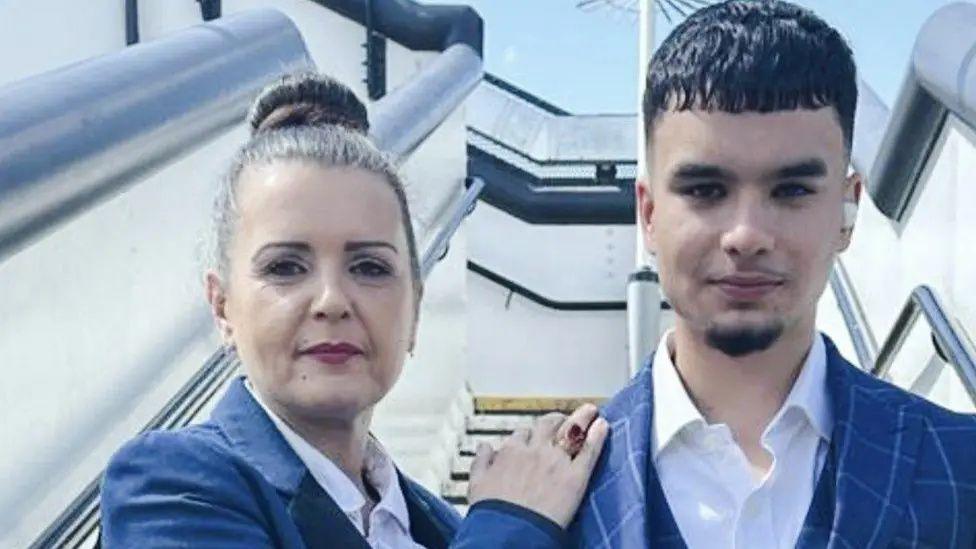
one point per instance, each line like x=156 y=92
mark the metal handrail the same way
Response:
x=80 y=519
x=462 y=208
x=75 y=136
x=950 y=337
x=865 y=345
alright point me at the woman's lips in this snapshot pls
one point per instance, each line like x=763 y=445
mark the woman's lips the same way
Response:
x=333 y=353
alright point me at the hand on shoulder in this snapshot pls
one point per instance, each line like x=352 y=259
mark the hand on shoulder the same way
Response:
x=545 y=468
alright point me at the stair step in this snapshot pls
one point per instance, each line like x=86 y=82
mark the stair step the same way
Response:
x=455 y=490
x=462 y=464
x=500 y=422
x=469 y=443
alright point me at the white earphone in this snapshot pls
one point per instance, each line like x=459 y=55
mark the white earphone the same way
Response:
x=850 y=214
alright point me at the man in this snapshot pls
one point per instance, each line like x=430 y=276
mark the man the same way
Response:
x=748 y=429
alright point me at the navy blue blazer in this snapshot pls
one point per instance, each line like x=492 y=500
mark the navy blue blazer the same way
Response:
x=234 y=482
x=900 y=472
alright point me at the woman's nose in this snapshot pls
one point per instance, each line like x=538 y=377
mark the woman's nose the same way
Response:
x=332 y=302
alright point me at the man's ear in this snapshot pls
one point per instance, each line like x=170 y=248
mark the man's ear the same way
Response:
x=217 y=297
x=853 y=187
x=645 y=211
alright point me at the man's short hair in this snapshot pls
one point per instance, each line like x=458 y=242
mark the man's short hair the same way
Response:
x=752 y=56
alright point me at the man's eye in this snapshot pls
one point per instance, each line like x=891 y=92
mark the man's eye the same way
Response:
x=370 y=268
x=791 y=190
x=704 y=191
x=284 y=268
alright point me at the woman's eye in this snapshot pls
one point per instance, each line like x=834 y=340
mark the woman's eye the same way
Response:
x=284 y=268
x=371 y=269
x=791 y=190
x=704 y=191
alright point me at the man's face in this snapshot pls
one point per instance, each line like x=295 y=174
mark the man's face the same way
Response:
x=744 y=214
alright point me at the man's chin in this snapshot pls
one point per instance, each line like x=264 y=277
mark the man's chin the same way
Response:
x=743 y=338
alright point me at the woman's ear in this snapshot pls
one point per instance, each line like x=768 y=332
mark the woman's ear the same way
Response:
x=217 y=297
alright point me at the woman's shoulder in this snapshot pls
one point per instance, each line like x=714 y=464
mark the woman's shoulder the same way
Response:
x=173 y=486
x=194 y=459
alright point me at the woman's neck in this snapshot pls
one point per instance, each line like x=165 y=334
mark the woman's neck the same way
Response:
x=342 y=440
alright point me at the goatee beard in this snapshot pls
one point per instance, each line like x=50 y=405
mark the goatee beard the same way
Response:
x=739 y=341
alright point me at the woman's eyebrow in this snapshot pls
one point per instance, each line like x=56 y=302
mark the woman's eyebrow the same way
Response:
x=302 y=247
x=360 y=244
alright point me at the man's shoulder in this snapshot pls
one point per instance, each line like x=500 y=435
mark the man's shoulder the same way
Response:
x=899 y=400
x=945 y=437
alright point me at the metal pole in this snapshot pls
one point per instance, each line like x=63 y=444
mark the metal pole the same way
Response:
x=643 y=288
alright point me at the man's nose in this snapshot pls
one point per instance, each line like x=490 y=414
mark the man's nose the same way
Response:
x=748 y=233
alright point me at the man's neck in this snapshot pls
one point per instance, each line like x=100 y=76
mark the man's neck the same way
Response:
x=744 y=392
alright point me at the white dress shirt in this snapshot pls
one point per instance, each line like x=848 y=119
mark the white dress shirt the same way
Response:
x=388 y=524
x=715 y=497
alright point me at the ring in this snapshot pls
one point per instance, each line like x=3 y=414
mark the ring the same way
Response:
x=572 y=443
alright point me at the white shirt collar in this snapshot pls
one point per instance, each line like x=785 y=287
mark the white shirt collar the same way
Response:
x=674 y=410
x=380 y=472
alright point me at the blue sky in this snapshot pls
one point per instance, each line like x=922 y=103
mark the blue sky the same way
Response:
x=586 y=62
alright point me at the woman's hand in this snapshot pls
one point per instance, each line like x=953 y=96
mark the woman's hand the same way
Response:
x=545 y=468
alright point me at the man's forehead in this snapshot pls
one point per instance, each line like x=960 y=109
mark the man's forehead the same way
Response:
x=748 y=139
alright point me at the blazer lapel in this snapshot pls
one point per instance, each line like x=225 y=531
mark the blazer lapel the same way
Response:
x=873 y=447
x=320 y=521
x=662 y=527
x=425 y=526
x=820 y=517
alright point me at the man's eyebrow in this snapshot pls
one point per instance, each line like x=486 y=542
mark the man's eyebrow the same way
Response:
x=810 y=167
x=293 y=246
x=695 y=170
x=360 y=244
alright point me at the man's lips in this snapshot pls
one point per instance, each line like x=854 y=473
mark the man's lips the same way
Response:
x=747 y=287
x=332 y=353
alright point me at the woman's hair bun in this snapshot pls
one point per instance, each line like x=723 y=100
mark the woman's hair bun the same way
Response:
x=307 y=99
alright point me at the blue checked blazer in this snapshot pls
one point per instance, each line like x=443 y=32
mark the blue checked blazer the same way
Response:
x=900 y=472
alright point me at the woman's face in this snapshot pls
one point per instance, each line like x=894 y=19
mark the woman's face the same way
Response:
x=318 y=298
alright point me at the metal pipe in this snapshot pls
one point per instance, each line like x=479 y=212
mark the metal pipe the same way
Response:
x=461 y=209
x=949 y=335
x=77 y=135
x=405 y=117
x=865 y=345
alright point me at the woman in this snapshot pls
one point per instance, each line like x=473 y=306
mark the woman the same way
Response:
x=315 y=285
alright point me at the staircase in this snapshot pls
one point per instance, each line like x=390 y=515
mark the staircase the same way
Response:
x=495 y=418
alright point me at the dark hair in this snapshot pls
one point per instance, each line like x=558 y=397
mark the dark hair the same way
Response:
x=752 y=56
x=312 y=117
x=307 y=99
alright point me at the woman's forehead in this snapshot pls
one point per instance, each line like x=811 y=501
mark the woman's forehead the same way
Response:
x=303 y=200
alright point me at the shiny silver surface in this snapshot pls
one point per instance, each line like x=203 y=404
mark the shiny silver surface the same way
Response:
x=78 y=135
x=950 y=337
x=405 y=117
x=438 y=246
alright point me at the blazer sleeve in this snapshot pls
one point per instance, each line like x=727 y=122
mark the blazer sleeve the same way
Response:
x=496 y=523
x=167 y=489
